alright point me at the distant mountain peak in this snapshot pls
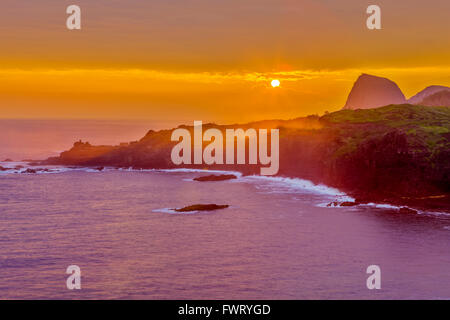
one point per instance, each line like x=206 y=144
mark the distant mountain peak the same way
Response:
x=371 y=92
x=428 y=91
x=440 y=98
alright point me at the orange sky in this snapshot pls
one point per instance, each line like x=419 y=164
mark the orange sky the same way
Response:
x=211 y=60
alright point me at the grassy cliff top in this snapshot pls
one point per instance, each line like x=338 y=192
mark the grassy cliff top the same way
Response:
x=394 y=115
x=426 y=128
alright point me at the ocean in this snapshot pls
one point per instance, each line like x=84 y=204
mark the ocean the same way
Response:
x=277 y=240
x=39 y=139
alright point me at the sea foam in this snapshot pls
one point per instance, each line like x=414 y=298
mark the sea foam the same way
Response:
x=295 y=185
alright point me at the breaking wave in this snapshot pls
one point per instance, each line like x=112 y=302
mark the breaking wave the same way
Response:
x=295 y=185
x=265 y=184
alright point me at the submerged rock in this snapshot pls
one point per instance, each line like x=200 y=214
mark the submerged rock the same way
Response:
x=29 y=171
x=213 y=177
x=406 y=210
x=343 y=204
x=349 y=204
x=3 y=168
x=202 y=207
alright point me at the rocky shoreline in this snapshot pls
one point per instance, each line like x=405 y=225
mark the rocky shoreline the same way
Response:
x=410 y=205
x=398 y=154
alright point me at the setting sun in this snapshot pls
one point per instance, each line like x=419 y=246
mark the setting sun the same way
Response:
x=275 y=83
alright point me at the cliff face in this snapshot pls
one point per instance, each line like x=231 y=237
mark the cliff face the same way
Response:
x=397 y=153
x=372 y=92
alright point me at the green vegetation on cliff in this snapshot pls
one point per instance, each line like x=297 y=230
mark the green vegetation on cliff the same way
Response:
x=426 y=128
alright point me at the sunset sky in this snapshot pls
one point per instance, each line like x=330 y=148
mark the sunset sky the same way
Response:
x=180 y=61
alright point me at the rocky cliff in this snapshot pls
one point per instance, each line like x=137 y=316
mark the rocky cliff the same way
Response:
x=396 y=154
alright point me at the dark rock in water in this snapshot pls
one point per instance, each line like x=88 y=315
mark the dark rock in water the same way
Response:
x=333 y=204
x=18 y=167
x=7 y=160
x=363 y=199
x=100 y=168
x=3 y=168
x=29 y=171
x=202 y=207
x=342 y=204
x=348 y=204
x=213 y=177
x=406 y=210
x=373 y=92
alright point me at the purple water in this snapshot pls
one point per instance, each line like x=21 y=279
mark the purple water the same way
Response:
x=276 y=241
